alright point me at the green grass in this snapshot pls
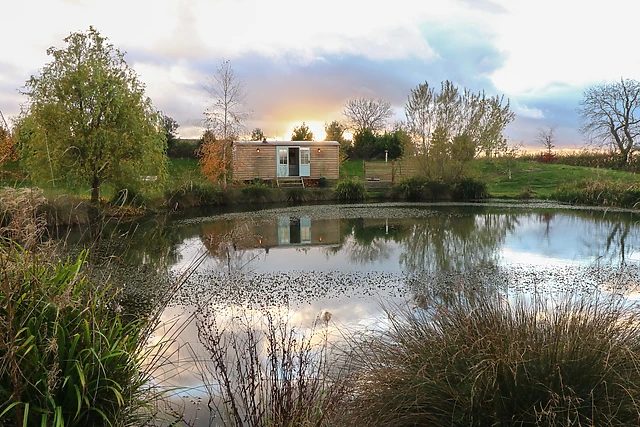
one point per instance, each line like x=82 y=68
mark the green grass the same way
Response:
x=541 y=179
x=352 y=169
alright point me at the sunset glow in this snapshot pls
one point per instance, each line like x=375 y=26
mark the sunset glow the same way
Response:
x=306 y=69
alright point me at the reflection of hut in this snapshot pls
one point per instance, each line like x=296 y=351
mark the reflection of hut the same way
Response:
x=292 y=231
x=283 y=159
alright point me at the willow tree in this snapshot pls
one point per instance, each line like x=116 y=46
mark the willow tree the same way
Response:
x=92 y=122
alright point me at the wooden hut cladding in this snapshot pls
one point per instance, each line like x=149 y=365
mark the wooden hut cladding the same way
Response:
x=280 y=159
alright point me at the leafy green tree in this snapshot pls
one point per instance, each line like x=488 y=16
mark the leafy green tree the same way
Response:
x=335 y=132
x=169 y=127
x=92 y=122
x=450 y=127
x=257 y=134
x=302 y=133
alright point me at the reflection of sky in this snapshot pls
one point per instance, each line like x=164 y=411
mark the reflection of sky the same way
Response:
x=560 y=243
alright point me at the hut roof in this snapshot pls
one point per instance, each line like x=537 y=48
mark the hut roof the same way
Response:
x=289 y=143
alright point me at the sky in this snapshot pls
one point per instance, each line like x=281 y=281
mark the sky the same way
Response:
x=302 y=60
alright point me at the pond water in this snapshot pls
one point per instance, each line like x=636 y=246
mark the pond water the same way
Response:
x=353 y=261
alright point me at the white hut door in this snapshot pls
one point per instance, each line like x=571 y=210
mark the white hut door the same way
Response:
x=305 y=162
x=283 y=162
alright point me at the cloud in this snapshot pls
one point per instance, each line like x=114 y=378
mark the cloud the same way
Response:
x=524 y=111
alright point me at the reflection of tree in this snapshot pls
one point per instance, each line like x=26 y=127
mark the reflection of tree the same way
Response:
x=367 y=241
x=222 y=240
x=455 y=243
x=614 y=237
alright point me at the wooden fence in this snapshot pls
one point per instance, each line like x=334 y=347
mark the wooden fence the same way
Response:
x=393 y=171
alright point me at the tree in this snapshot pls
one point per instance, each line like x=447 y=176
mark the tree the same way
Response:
x=334 y=131
x=8 y=150
x=257 y=134
x=91 y=121
x=546 y=138
x=610 y=116
x=302 y=133
x=169 y=127
x=215 y=159
x=363 y=113
x=450 y=127
x=225 y=121
x=226 y=116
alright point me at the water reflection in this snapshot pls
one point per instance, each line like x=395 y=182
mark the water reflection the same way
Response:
x=353 y=260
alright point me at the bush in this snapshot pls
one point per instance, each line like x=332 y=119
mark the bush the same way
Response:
x=184 y=149
x=413 y=189
x=66 y=357
x=191 y=195
x=256 y=193
x=349 y=190
x=266 y=372
x=472 y=358
x=598 y=193
x=470 y=189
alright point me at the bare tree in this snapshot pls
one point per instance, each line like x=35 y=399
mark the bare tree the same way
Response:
x=546 y=137
x=419 y=110
x=610 y=117
x=226 y=116
x=363 y=113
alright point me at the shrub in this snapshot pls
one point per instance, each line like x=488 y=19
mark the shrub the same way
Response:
x=128 y=196
x=419 y=188
x=256 y=193
x=349 y=190
x=296 y=195
x=190 y=195
x=470 y=189
x=598 y=193
x=265 y=372
x=66 y=357
x=474 y=357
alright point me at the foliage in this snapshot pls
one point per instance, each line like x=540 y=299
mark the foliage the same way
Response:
x=256 y=193
x=8 y=149
x=89 y=118
x=169 y=127
x=469 y=189
x=469 y=356
x=608 y=113
x=184 y=149
x=350 y=190
x=265 y=372
x=334 y=131
x=191 y=195
x=226 y=115
x=367 y=145
x=599 y=193
x=419 y=188
x=302 y=133
x=450 y=127
x=371 y=114
x=257 y=134
x=215 y=158
x=66 y=357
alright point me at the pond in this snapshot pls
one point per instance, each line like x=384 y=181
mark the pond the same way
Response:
x=351 y=262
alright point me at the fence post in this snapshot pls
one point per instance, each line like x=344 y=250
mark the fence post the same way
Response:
x=393 y=172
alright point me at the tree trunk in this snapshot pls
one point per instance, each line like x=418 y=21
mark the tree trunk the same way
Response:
x=95 y=190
